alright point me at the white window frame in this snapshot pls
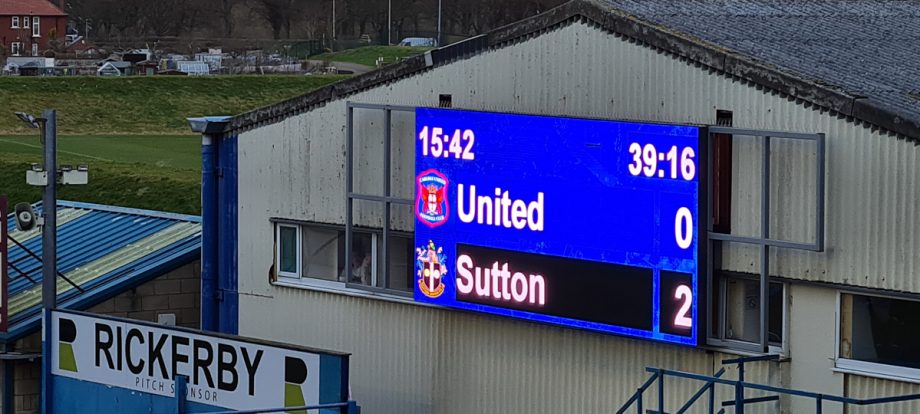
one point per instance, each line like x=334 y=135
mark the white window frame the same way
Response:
x=26 y=22
x=301 y=280
x=865 y=368
x=14 y=22
x=36 y=27
x=16 y=49
x=35 y=51
x=298 y=268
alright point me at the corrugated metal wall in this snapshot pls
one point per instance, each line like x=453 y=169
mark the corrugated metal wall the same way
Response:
x=416 y=360
x=864 y=387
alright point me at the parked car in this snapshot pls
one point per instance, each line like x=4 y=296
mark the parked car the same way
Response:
x=419 y=41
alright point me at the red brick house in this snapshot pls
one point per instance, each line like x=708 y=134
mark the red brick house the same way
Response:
x=27 y=26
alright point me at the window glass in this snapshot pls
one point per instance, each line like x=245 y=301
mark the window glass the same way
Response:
x=880 y=330
x=402 y=262
x=15 y=23
x=287 y=249
x=742 y=310
x=321 y=252
x=35 y=27
x=25 y=22
x=362 y=258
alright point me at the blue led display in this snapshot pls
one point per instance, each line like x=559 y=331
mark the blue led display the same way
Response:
x=585 y=223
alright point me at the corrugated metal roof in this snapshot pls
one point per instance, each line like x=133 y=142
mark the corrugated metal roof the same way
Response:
x=103 y=249
x=864 y=48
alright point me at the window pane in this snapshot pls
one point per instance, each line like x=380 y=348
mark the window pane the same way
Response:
x=881 y=330
x=362 y=258
x=401 y=262
x=288 y=249
x=321 y=253
x=742 y=316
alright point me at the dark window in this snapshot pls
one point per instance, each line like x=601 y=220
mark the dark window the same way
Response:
x=722 y=175
x=287 y=250
x=880 y=330
x=445 y=101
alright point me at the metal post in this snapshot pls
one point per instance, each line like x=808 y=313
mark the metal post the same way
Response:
x=49 y=256
x=333 y=25
x=8 y=378
x=819 y=170
x=349 y=177
x=389 y=22
x=49 y=208
x=639 y=401
x=739 y=390
x=661 y=393
x=764 y=248
x=439 y=23
x=712 y=397
x=180 y=393
x=387 y=125
x=819 y=403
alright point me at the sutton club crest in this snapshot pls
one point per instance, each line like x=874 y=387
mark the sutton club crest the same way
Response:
x=431 y=263
x=431 y=206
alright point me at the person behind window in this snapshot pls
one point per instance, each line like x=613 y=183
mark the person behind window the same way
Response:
x=360 y=263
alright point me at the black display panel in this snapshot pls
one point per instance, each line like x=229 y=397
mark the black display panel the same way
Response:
x=585 y=290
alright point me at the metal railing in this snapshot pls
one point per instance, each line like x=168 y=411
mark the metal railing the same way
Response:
x=739 y=401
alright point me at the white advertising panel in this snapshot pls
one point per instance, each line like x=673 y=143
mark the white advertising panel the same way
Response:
x=221 y=372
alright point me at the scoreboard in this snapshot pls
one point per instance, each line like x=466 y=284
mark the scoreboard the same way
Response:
x=591 y=224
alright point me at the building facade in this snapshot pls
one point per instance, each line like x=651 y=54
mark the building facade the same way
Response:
x=837 y=314
x=28 y=27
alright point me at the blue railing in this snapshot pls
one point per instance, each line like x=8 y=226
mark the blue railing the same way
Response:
x=739 y=402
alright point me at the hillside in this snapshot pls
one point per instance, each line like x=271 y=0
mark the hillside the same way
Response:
x=130 y=131
x=368 y=55
x=142 y=105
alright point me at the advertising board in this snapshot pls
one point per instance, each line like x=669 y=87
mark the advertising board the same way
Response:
x=222 y=372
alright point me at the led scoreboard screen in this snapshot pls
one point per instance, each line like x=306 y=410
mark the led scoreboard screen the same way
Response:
x=585 y=223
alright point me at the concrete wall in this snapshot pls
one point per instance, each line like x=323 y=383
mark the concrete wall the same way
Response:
x=414 y=359
x=176 y=292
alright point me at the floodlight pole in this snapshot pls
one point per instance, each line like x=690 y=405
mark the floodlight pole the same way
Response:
x=439 y=23
x=389 y=22
x=49 y=251
x=333 y=25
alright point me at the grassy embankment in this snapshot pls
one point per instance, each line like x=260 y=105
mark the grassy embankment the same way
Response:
x=368 y=55
x=130 y=131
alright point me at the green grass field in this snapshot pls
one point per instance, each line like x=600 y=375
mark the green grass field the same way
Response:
x=169 y=151
x=142 y=105
x=139 y=185
x=368 y=55
x=130 y=131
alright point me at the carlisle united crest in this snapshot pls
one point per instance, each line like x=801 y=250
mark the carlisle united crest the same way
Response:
x=431 y=205
x=431 y=265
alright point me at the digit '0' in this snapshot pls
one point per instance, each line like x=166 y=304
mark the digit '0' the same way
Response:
x=683 y=228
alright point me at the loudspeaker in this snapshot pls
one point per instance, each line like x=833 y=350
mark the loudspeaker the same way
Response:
x=25 y=217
